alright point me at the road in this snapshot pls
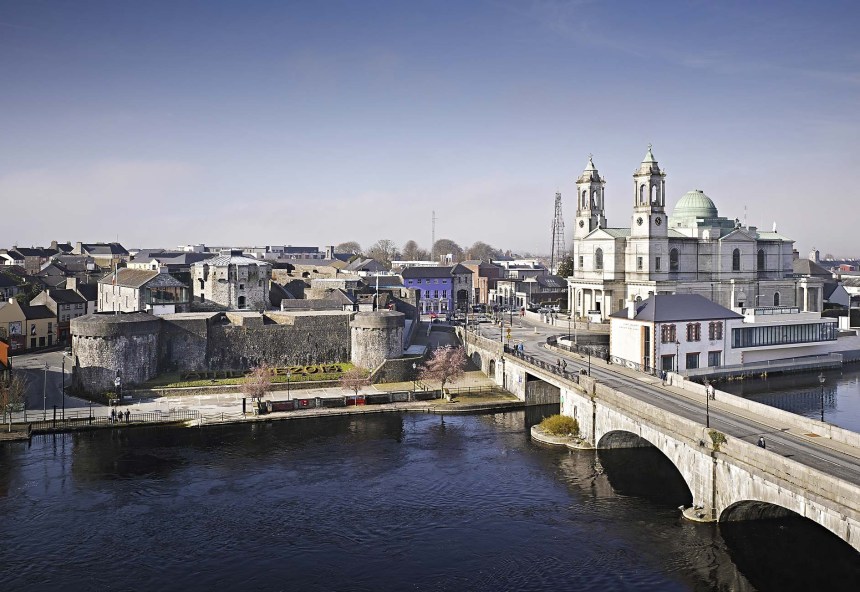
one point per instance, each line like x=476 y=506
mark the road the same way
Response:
x=45 y=388
x=831 y=458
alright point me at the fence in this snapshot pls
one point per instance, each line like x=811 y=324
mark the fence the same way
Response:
x=557 y=369
x=85 y=419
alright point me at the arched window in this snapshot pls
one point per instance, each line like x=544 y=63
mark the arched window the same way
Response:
x=673 y=260
x=594 y=199
x=642 y=194
x=759 y=262
x=736 y=260
x=598 y=259
x=776 y=298
x=584 y=198
x=654 y=192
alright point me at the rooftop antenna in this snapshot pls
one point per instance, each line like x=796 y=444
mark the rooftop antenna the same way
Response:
x=557 y=251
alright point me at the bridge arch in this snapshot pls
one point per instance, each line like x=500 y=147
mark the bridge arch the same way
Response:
x=476 y=359
x=491 y=369
x=754 y=510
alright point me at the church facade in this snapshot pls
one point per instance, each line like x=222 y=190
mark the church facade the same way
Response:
x=693 y=250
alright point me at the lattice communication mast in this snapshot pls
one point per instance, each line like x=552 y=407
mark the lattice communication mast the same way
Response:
x=557 y=254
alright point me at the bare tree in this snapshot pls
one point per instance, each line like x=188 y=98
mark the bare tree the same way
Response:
x=445 y=246
x=412 y=252
x=258 y=382
x=482 y=252
x=348 y=247
x=12 y=396
x=446 y=364
x=383 y=251
x=355 y=379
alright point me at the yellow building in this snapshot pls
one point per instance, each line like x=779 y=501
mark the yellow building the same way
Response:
x=25 y=327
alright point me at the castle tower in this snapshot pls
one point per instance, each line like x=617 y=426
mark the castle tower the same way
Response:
x=590 y=212
x=649 y=199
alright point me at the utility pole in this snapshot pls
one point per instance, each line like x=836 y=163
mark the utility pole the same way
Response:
x=433 y=235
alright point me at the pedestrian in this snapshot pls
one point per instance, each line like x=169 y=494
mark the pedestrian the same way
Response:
x=712 y=392
x=127 y=415
x=564 y=365
x=558 y=362
x=112 y=415
x=761 y=443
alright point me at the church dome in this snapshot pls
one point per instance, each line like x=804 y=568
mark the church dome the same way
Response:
x=695 y=204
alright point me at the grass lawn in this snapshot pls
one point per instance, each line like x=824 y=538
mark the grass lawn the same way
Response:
x=174 y=379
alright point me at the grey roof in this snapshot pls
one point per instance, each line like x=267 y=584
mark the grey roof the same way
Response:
x=809 y=267
x=384 y=280
x=89 y=291
x=103 y=249
x=38 y=311
x=427 y=272
x=461 y=269
x=362 y=264
x=66 y=296
x=223 y=260
x=663 y=308
x=617 y=232
x=137 y=278
x=6 y=281
x=551 y=281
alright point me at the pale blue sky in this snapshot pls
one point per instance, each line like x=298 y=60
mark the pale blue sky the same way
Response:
x=319 y=122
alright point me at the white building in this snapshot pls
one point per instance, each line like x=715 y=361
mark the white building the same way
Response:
x=692 y=251
x=686 y=332
x=133 y=290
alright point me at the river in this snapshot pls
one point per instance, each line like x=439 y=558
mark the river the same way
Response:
x=377 y=502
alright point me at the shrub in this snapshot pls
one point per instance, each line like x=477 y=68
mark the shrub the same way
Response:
x=560 y=425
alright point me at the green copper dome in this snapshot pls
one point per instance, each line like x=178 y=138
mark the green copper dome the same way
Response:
x=695 y=204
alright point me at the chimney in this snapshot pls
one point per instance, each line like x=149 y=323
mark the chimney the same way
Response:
x=329 y=252
x=72 y=283
x=79 y=246
x=631 y=308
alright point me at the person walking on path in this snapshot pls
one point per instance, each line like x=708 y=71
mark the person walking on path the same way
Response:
x=761 y=443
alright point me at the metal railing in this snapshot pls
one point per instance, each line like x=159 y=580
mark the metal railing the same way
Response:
x=84 y=419
x=556 y=369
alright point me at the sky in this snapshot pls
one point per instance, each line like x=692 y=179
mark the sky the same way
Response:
x=320 y=122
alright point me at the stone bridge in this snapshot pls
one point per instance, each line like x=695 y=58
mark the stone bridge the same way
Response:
x=729 y=478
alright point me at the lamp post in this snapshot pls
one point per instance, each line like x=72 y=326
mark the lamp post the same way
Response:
x=677 y=356
x=821 y=380
x=707 y=405
x=44 y=394
x=568 y=326
x=414 y=377
x=289 y=375
x=63 y=393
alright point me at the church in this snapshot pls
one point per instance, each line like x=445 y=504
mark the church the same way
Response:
x=693 y=250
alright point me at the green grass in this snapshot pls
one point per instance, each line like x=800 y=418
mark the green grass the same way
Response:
x=173 y=379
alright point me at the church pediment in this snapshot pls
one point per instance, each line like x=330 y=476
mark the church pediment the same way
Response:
x=739 y=235
x=607 y=234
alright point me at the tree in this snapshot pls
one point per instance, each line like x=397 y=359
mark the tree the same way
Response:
x=257 y=382
x=482 y=252
x=383 y=251
x=446 y=364
x=412 y=252
x=565 y=268
x=12 y=394
x=348 y=247
x=355 y=379
x=444 y=247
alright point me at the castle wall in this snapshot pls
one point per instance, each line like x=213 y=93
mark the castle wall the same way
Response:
x=376 y=336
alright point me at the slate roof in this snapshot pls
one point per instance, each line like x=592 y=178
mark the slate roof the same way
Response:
x=137 y=278
x=386 y=281
x=551 y=281
x=223 y=260
x=460 y=269
x=362 y=264
x=89 y=291
x=427 y=272
x=66 y=296
x=103 y=249
x=6 y=281
x=811 y=268
x=39 y=311
x=663 y=308
x=34 y=252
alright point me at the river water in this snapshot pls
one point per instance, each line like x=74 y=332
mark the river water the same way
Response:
x=802 y=394
x=377 y=502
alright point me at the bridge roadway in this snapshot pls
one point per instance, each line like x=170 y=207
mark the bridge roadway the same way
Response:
x=833 y=458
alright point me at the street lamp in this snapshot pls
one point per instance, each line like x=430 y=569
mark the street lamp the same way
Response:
x=289 y=375
x=677 y=356
x=63 y=394
x=44 y=394
x=821 y=380
x=414 y=377
x=707 y=405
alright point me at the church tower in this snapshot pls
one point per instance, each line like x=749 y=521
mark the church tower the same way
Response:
x=589 y=201
x=649 y=200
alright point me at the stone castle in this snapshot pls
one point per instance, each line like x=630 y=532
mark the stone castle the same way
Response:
x=139 y=346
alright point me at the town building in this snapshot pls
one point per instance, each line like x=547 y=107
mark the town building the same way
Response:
x=24 y=327
x=142 y=290
x=66 y=305
x=692 y=250
x=686 y=333
x=484 y=277
x=440 y=289
x=231 y=281
x=105 y=255
x=8 y=287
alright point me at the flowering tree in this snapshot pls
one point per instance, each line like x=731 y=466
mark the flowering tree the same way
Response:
x=12 y=394
x=257 y=382
x=354 y=379
x=446 y=364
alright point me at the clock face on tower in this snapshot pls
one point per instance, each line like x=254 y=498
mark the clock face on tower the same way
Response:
x=581 y=223
x=639 y=220
x=658 y=221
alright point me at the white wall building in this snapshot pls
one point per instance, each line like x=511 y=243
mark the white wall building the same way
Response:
x=692 y=251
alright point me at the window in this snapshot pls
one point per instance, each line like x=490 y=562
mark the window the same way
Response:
x=241 y=302
x=50 y=327
x=715 y=330
x=759 y=262
x=668 y=334
x=667 y=363
x=783 y=334
x=692 y=361
x=657 y=263
x=694 y=332
x=241 y=286
x=776 y=298
x=639 y=263
x=714 y=359
x=673 y=260
x=736 y=260
x=581 y=265
x=435 y=293
x=598 y=259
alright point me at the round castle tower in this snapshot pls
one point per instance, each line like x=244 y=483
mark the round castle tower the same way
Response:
x=108 y=345
x=376 y=336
